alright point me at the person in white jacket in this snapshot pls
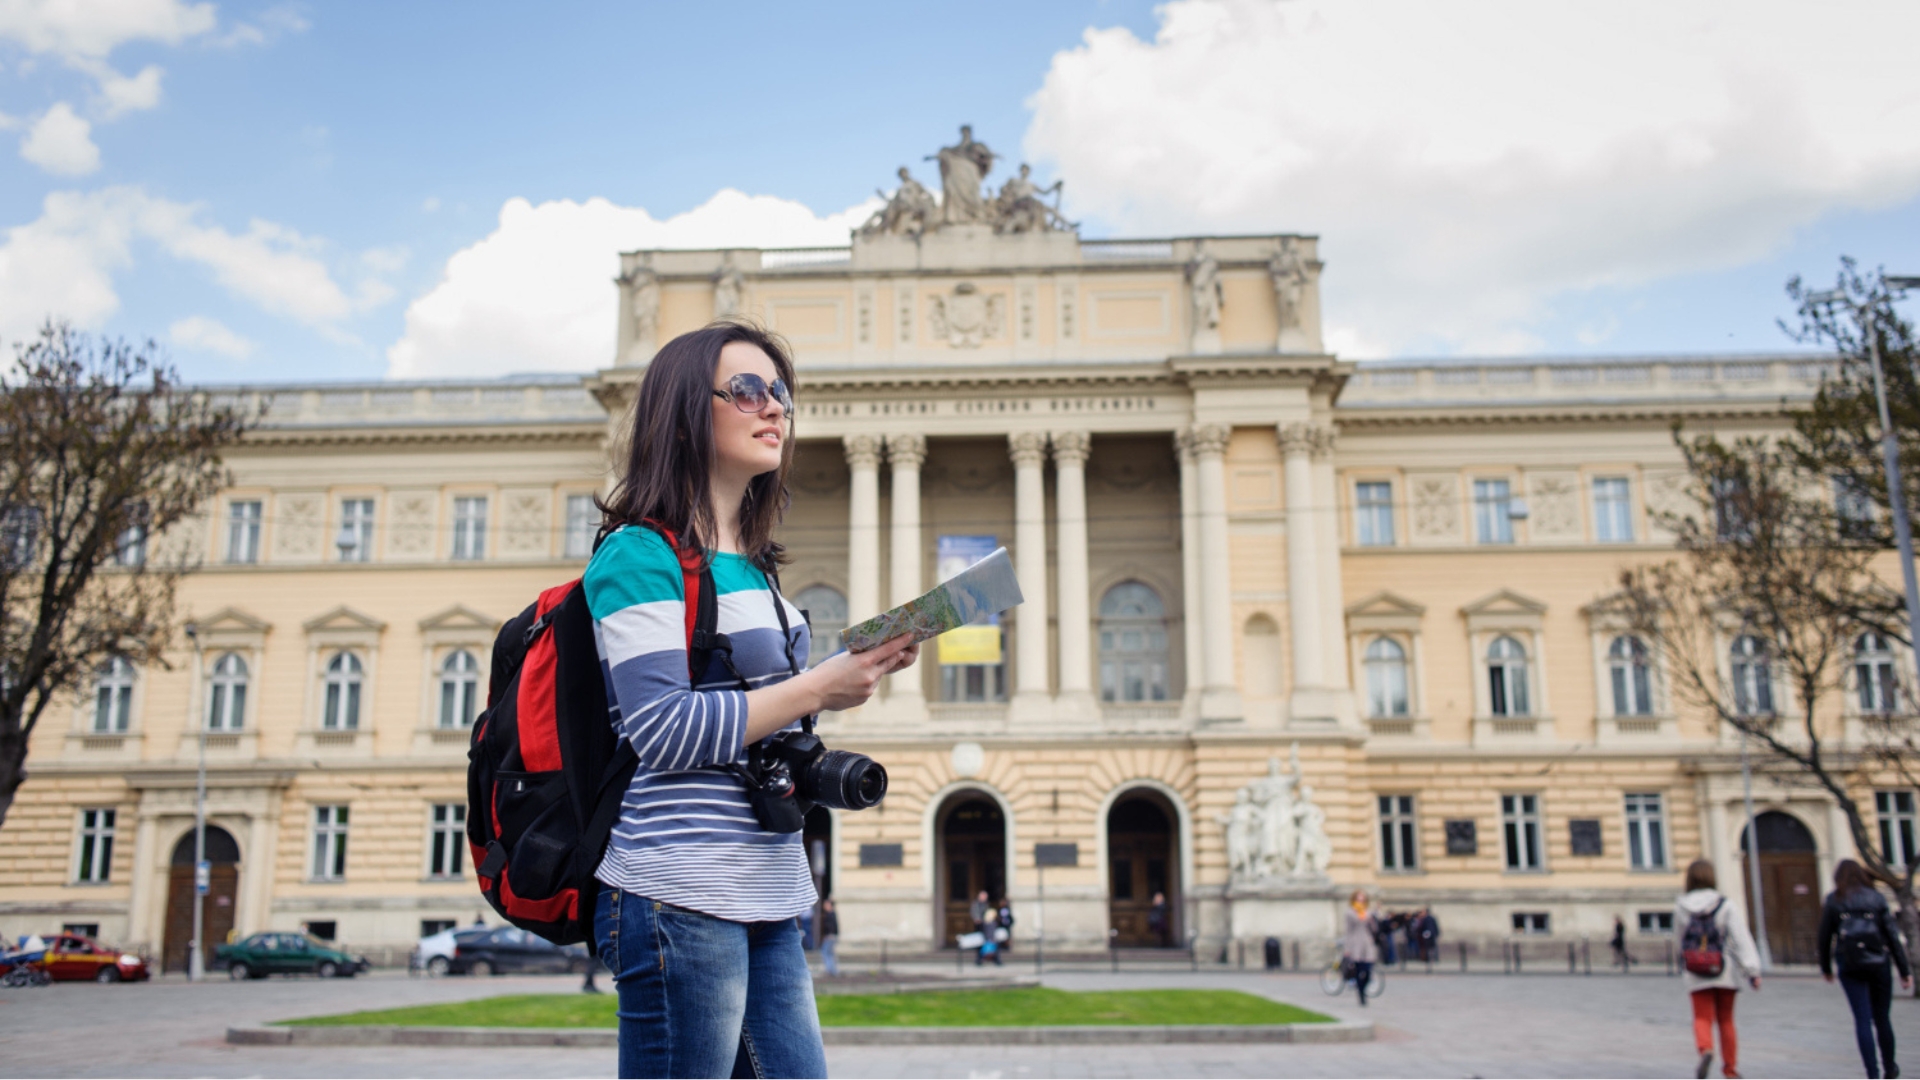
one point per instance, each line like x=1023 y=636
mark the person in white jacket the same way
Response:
x=1712 y=995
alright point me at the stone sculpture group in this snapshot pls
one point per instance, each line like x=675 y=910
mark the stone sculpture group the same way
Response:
x=1019 y=207
x=1275 y=830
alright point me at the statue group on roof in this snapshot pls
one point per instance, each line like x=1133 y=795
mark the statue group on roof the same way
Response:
x=1019 y=207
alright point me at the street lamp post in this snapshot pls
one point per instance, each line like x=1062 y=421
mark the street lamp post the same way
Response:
x=196 y=959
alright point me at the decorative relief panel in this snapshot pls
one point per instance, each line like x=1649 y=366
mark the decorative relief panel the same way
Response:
x=1667 y=494
x=972 y=474
x=297 y=533
x=411 y=534
x=1553 y=499
x=527 y=524
x=1436 y=508
x=1125 y=469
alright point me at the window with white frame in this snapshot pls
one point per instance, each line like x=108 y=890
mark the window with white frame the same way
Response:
x=130 y=547
x=583 y=523
x=1399 y=834
x=1385 y=662
x=1853 y=504
x=1631 y=676
x=459 y=689
x=446 y=842
x=19 y=535
x=1520 y=831
x=1493 y=511
x=1873 y=675
x=1373 y=513
x=1612 y=510
x=243 y=531
x=227 y=693
x=1133 y=644
x=1646 y=831
x=95 y=857
x=340 y=708
x=1532 y=922
x=1752 y=673
x=826 y=609
x=329 y=843
x=1896 y=814
x=356 y=524
x=470 y=527
x=113 y=697
x=1507 y=691
x=1655 y=922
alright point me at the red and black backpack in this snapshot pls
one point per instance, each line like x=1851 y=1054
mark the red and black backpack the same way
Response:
x=546 y=769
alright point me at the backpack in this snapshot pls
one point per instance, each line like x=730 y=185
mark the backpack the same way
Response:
x=1860 y=946
x=546 y=770
x=1702 y=942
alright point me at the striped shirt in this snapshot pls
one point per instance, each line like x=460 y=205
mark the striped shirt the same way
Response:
x=687 y=835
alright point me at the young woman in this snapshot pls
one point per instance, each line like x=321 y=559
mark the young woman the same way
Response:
x=1712 y=996
x=1856 y=919
x=1357 y=941
x=698 y=914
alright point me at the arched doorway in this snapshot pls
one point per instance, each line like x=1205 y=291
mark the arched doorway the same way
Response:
x=973 y=845
x=1143 y=858
x=1789 y=886
x=217 y=913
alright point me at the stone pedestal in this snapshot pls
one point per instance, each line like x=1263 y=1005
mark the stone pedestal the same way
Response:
x=1290 y=909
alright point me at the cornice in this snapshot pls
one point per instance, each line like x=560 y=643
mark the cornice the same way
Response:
x=576 y=431
x=1480 y=414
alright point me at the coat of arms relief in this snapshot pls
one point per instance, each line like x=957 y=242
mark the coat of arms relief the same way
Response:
x=967 y=317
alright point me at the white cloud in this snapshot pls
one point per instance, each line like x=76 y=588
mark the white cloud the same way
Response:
x=75 y=29
x=537 y=293
x=209 y=335
x=121 y=94
x=1465 y=162
x=61 y=142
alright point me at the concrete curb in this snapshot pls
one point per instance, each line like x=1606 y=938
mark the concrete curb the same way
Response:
x=1090 y=1035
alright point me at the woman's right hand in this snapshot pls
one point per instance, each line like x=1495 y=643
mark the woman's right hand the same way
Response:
x=846 y=680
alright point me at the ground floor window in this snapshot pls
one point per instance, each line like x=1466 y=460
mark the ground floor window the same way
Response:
x=1656 y=922
x=1520 y=828
x=1532 y=922
x=446 y=843
x=1896 y=813
x=329 y=843
x=1399 y=834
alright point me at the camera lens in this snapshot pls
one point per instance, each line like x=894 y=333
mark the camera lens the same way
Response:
x=844 y=780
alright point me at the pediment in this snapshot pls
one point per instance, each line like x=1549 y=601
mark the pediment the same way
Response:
x=1386 y=603
x=459 y=617
x=231 y=620
x=1504 y=602
x=343 y=618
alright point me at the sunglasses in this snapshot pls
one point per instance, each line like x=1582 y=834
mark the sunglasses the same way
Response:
x=749 y=393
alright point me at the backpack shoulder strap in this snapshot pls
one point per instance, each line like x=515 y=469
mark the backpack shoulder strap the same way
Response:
x=702 y=604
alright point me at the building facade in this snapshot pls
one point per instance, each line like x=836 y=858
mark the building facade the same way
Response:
x=1294 y=625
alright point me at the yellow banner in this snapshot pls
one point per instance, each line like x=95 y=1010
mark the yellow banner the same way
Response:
x=970 y=645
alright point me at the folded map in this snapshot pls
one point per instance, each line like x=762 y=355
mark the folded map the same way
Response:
x=986 y=588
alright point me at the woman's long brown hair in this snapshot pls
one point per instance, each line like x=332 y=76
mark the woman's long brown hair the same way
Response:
x=670 y=449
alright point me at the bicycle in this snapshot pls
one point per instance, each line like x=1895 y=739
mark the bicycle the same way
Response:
x=1338 y=975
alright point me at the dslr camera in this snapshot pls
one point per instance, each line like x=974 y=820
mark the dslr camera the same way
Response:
x=791 y=772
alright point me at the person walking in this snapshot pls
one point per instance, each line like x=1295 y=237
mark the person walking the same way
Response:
x=1427 y=929
x=985 y=920
x=1856 y=933
x=1157 y=919
x=829 y=938
x=1357 y=945
x=1622 y=959
x=1003 y=926
x=1717 y=952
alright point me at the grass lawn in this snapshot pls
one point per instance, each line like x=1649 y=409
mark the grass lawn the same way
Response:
x=1026 y=1007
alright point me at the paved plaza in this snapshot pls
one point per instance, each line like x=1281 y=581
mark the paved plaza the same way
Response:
x=1439 y=1025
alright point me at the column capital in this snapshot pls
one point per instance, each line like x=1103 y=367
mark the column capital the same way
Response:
x=1208 y=440
x=1027 y=448
x=906 y=451
x=1306 y=438
x=1071 y=447
x=863 y=451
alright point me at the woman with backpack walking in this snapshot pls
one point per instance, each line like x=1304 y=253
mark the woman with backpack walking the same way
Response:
x=698 y=913
x=1358 y=944
x=1856 y=932
x=1717 y=952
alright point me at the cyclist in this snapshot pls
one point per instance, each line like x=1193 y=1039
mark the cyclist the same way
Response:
x=1357 y=944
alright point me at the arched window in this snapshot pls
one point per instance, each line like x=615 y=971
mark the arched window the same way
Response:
x=1873 y=674
x=826 y=609
x=459 y=689
x=1133 y=644
x=113 y=697
x=1631 y=676
x=1752 y=671
x=1386 y=664
x=227 y=694
x=342 y=707
x=1507 y=678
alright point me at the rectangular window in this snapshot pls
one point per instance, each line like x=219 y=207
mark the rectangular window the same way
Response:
x=356 y=527
x=1399 y=834
x=19 y=535
x=1493 y=511
x=243 y=531
x=430 y=927
x=1373 y=514
x=130 y=547
x=84 y=929
x=470 y=528
x=1612 y=510
x=1895 y=810
x=583 y=521
x=1656 y=922
x=96 y=846
x=1646 y=832
x=1532 y=922
x=1852 y=503
x=1520 y=830
x=329 y=843
x=447 y=841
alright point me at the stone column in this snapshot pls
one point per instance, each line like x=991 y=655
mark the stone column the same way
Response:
x=1191 y=589
x=1070 y=449
x=1219 y=697
x=1298 y=444
x=905 y=454
x=1029 y=452
x=863 y=527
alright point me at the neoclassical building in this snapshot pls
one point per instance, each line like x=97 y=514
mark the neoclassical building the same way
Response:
x=1293 y=624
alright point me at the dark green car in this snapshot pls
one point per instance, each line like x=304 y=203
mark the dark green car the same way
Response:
x=285 y=954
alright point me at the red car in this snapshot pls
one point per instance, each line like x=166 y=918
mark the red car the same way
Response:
x=71 y=958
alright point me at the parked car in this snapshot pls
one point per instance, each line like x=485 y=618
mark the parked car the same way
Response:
x=285 y=954
x=75 y=957
x=511 y=949
x=434 y=953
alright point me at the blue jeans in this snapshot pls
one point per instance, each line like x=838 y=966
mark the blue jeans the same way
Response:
x=828 y=959
x=703 y=996
x=1870 y=996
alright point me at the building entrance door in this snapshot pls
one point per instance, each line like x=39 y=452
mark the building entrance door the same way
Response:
x=1142 y=862
x=1789 y=886
x=217 y=913
x=973 y=842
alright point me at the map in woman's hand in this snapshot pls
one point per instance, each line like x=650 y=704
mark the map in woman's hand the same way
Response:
x=986 y=588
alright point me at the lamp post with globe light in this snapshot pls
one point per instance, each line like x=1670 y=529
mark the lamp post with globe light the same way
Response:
x=202 y=878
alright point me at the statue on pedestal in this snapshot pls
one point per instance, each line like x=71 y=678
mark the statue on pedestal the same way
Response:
x=1275 y=831
x=1206 y=296
x=963 y=167
x=910 y=211
x=728 y=283
x=1020 y=209
x=1289 y=273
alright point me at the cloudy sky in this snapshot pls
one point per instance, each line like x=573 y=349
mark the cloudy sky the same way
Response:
x=292 y=191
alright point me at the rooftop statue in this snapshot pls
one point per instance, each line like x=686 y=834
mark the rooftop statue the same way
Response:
x=1019 y=207
x=910 y=210
x=963 y=166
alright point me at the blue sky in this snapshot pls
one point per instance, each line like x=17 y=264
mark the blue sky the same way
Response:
x=295 y=179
